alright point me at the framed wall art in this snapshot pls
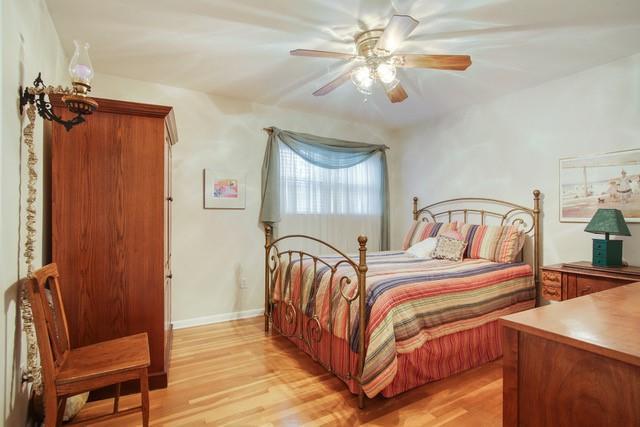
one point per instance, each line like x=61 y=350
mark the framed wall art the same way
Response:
x=223 y=190
x=610 y=180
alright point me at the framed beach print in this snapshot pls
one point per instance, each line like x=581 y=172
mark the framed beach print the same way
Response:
x=610 y=180
x=223 y=190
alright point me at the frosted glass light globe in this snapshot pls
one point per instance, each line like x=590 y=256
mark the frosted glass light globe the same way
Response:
x=386 y=72
x=362 y=79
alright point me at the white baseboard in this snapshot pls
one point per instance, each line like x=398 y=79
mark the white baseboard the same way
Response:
x=217 y=318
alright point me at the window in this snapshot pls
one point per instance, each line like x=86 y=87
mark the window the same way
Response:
x=322 y=187
x=334 y=205
x=306 y=189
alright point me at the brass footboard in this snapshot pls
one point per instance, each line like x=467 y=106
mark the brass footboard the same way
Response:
x=293 y=323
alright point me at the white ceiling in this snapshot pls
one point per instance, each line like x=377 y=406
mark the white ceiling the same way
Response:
x=240 y=48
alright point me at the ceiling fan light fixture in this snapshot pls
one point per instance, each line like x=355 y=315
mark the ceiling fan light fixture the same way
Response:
x=362 y=78
x=375 y=60
x=386 y=72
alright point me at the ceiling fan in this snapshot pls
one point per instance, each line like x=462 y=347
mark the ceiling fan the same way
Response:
x=376 y=60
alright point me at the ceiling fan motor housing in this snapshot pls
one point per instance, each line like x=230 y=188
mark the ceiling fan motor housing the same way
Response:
x=366 y=44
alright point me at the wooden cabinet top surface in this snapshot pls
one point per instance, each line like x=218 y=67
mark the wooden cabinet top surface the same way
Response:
x=586 y=268
x=131 y=108
x=607 y=323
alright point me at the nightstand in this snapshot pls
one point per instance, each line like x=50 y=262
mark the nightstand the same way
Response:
x=570 y=280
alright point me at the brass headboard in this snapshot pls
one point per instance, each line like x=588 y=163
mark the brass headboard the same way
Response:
x=503 y=212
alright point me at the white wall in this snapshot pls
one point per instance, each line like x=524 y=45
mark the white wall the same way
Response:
x=507 y=147
x=29 y=44
x=213 y=248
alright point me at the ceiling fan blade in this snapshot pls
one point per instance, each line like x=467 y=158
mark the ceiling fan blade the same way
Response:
x=439 y=62
x=321 y=54
x=396 y=93
x=333 y=84
x=398 y=29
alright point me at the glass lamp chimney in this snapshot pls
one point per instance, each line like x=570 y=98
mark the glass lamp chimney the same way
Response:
x=80 y=68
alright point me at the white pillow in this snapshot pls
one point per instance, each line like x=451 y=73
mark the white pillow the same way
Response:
x=424 y=249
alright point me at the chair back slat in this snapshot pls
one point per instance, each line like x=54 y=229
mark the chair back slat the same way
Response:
x=48 y=308
x=56 y=322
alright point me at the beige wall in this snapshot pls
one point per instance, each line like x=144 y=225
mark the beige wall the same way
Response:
x=213 y=249
x=509 y=146
x=29 y=44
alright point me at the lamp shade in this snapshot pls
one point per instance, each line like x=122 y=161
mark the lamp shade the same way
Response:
x=608 y=221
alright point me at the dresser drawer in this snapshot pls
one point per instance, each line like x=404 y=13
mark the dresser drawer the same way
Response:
x=588 y=285
x=551 y=293
x=551 y=277
x=551 y=285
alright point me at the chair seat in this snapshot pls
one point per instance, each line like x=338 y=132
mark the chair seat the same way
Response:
x=105 y=358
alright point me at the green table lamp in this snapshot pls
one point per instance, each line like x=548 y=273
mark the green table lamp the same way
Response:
x=608 y=253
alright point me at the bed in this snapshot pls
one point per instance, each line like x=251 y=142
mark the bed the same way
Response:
x=414 y=320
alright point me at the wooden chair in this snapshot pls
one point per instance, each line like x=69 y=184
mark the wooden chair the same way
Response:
x=65 y=371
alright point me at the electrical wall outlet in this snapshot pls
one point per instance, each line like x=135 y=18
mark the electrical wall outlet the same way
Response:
x=243 y=283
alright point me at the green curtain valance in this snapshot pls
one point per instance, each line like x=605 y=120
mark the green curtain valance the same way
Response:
x=323 y=152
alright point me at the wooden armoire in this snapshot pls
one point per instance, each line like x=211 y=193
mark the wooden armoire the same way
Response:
x=110 y=215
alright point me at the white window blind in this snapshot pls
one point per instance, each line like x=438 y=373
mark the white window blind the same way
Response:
x=335 y=205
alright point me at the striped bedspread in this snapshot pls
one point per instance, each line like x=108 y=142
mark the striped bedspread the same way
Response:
x=409 y=301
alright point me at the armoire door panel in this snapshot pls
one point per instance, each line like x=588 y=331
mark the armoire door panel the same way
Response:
x=143 y=211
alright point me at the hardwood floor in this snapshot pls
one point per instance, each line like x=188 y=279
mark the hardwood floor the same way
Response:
x=232 y=374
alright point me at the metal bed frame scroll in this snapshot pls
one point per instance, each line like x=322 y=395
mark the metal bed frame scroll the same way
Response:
x=292 y=323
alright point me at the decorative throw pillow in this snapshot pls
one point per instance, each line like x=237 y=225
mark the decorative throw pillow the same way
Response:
x=421 y=230
x=449 y=248
x=423 y=249
x=499 y=243
x=454 y=234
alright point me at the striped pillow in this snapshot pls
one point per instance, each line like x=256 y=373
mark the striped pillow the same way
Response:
x=499 y=243
x=420 y=230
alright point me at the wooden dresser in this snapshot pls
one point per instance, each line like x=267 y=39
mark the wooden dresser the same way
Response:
x=110 y=225
x=570 y=280
x=575 y=363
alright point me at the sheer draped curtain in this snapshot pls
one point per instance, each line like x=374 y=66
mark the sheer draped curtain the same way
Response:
x=325 y=188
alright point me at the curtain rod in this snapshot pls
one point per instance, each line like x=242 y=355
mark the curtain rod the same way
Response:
x=270 y=131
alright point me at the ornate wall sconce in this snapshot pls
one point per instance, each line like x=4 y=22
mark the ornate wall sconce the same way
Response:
x=75 y=98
